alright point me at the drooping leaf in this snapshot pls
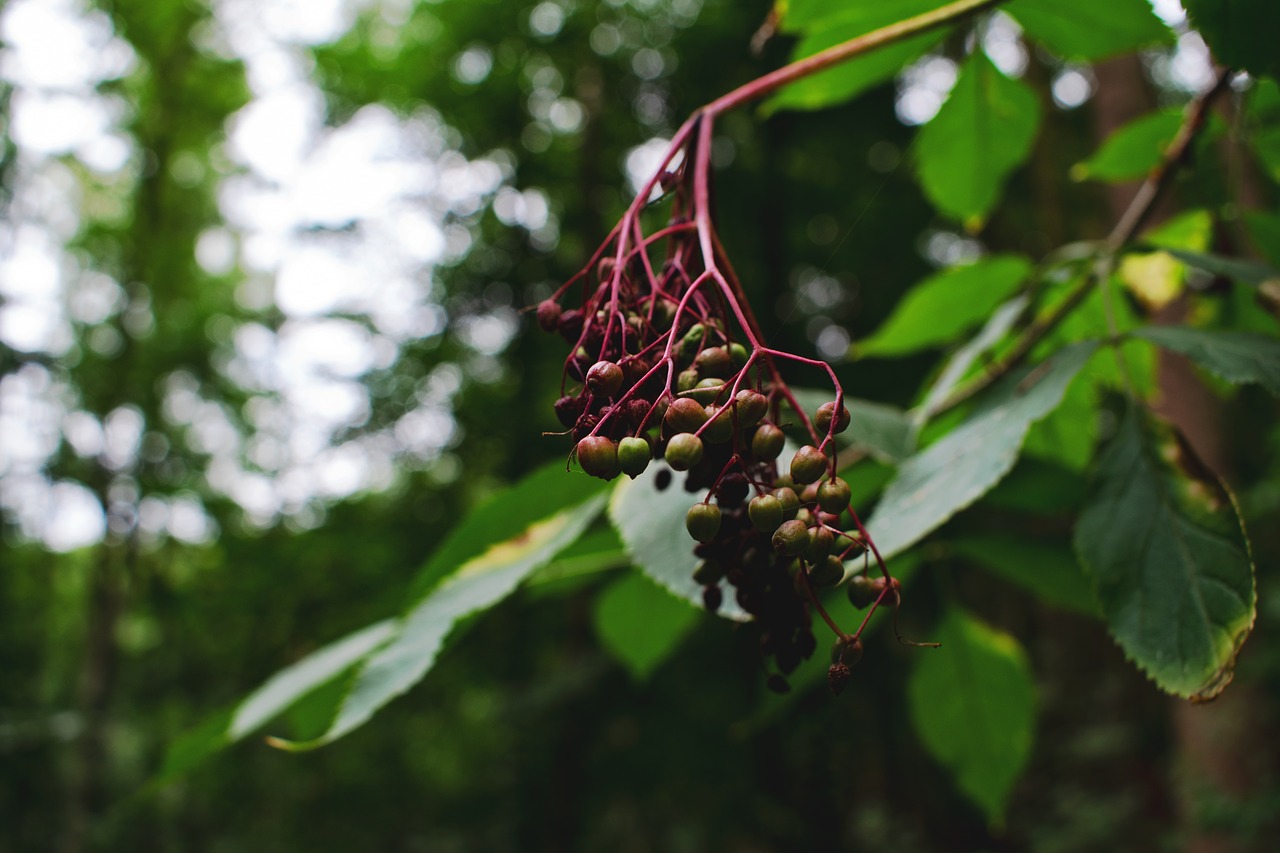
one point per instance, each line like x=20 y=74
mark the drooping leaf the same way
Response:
x=955 y=471
x=982 y=133
x=1045 y=568
x=1090 y=29
x=1000 y=322
x=1166 y=550
x=641 y=623
x=1237 y=357
x=825 y=25
x=276 y=695
x=935 y=311
x=972 y=702
x=882 y=431
x=651 y=524
x=1131 y=151
x=419 y=635
x=1241 y=33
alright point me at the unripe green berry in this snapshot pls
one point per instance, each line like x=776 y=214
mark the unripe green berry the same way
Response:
x=684 y=451
x=790 y=538
x=834 y=495
x=598 y=456
x=707 y=390
x=790 y=502
x=828 y=571
x=766 y=513
x=737 y=354
x=805 y=515
x=684 y=415
x=703 y=521
x=633 y=456
x=604 y=378
x=808 y=464
x=784 y=481
x=767 y=443
x=719 y=427
x=863 y=591
x=687 y=380
x=821 y=541
x=823 y=418
x=713 y=362
x=752 y=406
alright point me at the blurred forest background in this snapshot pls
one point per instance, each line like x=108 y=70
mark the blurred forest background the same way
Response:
x=262 y=267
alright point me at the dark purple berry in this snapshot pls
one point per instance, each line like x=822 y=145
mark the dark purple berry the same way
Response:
x=548 y=315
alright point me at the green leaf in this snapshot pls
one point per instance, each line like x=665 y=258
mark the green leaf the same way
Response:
x=651 y=524
x=1157 y=278
x=1000 y=322
x=1068 y=435
x=1131 y=151
x=1237 y=357
x=881 y=431
x=982 y=133
x=476 y=585
x=825 y=25
x=955 y=471
x=1241 y=33
x=1264 y=229
x=280 y=692
x=1169 y=559
x=946 y=304
x=641 y=623
x=1245 y=272
x=1046 y=569
x=973 y=704
x=1090 y=29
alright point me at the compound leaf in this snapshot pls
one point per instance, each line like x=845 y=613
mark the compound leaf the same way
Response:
x=1166 y=550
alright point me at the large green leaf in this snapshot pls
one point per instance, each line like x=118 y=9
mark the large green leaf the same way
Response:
x=955 y=471
x=476 y=585
x=1045 y=568
x=641 y=623
x=825 y=25
x=973 y=704
x=982 y=133
x=651 y=524
x=946 y=304
x=997 y=326
x=1090 y=29
x=1237 y=357
x=1169 y=559
x=1241 y=33
x=1131 y=151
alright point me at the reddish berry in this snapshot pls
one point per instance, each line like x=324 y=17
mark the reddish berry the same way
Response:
x=548 y=315
x=713 y=362
x=823 y=418
x=752 y=406
x=790 y=538
x=808 y=464
x=838 y=678
x=684 y=415
x=598 y=456
x=604 y=378
x=863 y=591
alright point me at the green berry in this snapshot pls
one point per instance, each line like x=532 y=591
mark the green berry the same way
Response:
x=766 y=513
x=828 y=571
x=703 y=521
x=808 y=464
x=684 y=451
x=790 y=502
x=790 y=538
x=823 y=418
x=598 y=456
x=604 y=378
x=719 y=427
x=684 y=415
x=821 y=541
x=713 y=362
x=737 y=354
x=633 y=456
x=767 y=443
x=687 y=380
x=834 y=496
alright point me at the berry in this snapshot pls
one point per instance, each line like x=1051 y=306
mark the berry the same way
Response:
x=604 y=378
x=708 y=572
x=703 y=521
x=568 y=409
x=820 y=541
x=827 y=572
x=737 y=354
x=808 y=464
x=548 y=315
x=732 y=491
x=687 y=380
x=778 y=684
x=823 y=418
x=598 y=456
x=719 y=428
x=752 y=406
x=863 y=591
x=712 y=598
x=790 y=538
x=790 y=503
x=766 y=513
x=684 y=451
x=838 y=678
x=713 y=362
x=834 y=495
x=767 y=443
x=570 y=325
x=684 y=415
x=633 y=456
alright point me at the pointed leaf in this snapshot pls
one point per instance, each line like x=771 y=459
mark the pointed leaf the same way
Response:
x=982 y=133
x=947 y=304
x=641 y=623
x=1090 y=29
x=651 y=524
x=955 y=471
x=1169 y=559
x=1000 y=322
x=973 y=704
x=419 y=635
x=1237 y=357
x=1131 y=151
